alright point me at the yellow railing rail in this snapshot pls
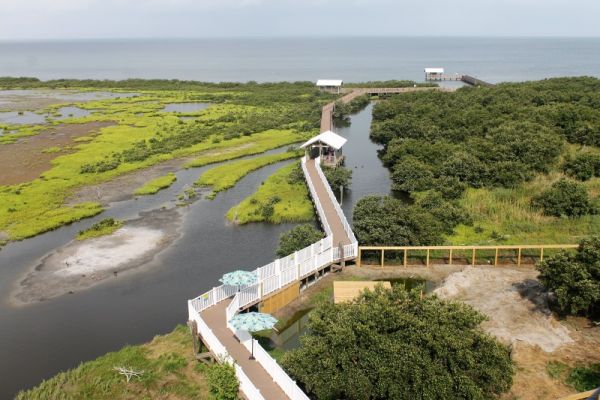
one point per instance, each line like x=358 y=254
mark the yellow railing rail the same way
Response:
x=579 y=396
x=473 y=249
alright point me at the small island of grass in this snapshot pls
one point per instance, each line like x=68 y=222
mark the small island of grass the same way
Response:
x=101 y=228
x=156 y=185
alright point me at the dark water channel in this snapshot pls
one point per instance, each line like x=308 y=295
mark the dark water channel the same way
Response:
x=39 y=340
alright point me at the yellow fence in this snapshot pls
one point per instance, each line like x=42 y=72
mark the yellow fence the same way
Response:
x=579 y=396
x=472 y=251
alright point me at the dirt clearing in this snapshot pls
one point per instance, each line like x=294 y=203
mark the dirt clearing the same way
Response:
x=26 y=160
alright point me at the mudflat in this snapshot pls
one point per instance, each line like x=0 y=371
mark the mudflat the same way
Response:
x=26 y=160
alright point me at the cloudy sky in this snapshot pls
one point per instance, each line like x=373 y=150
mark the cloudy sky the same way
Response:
x=73 y=19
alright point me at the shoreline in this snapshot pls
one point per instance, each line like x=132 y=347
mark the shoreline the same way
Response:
x=80 y=265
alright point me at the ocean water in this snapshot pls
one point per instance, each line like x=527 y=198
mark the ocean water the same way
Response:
x=291 y=59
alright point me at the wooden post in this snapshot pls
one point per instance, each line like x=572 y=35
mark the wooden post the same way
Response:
x=519 y=257
x=405 y=257
x=194 y=330
x=450 y=261
x=541 y=254
x=496 y=258
x=358 y=261
x=473 y=258
x=382 y=255
x=428 y=257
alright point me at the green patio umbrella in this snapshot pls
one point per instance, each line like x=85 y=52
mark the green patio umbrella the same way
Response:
x=239 y=278
x=253 y=322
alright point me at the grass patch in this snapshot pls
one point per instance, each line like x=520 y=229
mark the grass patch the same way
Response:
x=100 y=228
x=277 y=200
x=167 y=362
x=53 y=149
x=245 y=146
x=226 y=176
x=505 y=216
x=581 y=378
x=585 y=378
x=157 y=184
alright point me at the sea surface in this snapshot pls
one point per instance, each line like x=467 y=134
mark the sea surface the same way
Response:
x=291 y=59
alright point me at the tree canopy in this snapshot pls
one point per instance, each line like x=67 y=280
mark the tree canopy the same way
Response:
x=298 y=238
x=386 y=221
x=393 y=344
x=575 y=278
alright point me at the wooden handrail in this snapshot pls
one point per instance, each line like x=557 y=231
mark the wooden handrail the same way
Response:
x=473 y=249
x=579 y=396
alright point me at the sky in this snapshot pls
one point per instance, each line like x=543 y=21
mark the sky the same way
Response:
x=86 y=19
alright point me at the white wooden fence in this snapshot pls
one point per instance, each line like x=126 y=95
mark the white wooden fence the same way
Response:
x=270 y=278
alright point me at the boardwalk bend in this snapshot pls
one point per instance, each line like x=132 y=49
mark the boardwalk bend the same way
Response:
x=279 y=282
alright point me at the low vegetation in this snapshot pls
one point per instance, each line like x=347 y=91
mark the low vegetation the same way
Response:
x=226 y=176
x=156 y=185
x=243 y=119
x=280 y=198
x=297 y=238
x=221 y=379
x=394 y=344
x=100 y=228
x=169 y=371
x=575 y=278
x=582 y=377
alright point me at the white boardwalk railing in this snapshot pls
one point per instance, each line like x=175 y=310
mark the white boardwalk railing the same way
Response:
x=271 y=278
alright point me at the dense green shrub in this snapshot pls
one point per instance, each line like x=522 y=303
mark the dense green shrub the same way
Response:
x=494 y=137
x=394 y=344
x=564 y=198
x=386 y=221
x=583 y=166
x=222 y=382
x=297 y=238
x=575 y=279
x=338 y=176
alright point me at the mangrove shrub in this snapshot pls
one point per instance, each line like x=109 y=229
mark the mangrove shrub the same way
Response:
x=394 y=344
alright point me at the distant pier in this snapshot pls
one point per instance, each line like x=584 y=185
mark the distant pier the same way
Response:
x=438 y=74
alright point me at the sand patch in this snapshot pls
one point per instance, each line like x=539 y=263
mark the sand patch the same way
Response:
x=25 y=160
x=513 y=300
x=79 y=265
x=110 y=252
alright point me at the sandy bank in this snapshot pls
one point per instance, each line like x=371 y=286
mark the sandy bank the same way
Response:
x=80 y=265
x=513 y=300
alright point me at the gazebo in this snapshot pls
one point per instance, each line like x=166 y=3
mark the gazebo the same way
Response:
x=330 y=85
x=327 y=146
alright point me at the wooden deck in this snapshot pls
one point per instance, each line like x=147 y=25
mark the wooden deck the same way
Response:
x=345 y=291
x=216 y=319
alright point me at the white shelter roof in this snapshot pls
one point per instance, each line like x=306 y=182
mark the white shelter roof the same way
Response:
x=434 y=70
x=329 y=82
x=329 y=138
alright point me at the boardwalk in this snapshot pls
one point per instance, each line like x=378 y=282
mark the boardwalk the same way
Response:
x=215 y=318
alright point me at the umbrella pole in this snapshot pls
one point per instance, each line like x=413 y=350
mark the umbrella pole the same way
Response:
x=252 y=353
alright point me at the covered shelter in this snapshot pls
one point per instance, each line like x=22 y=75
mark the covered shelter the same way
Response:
x=432 y=74
x=327 y=146
x=330 y=85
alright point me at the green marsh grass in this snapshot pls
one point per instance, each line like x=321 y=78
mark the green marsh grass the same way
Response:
x=226 y=176
x=156 y=185
x=289 y=201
